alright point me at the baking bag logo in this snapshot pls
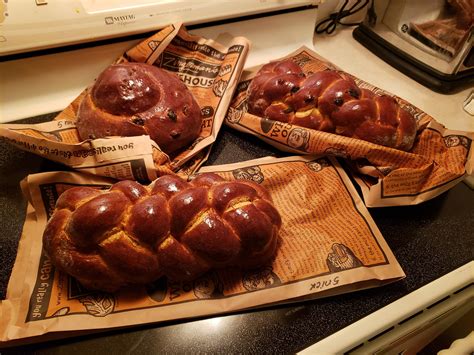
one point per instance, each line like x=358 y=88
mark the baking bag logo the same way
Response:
x=341 y=257
x=252 y=173
x=454 y=140
x=208 y=286
x=193 y=67
x=298 y=138
x=191 y=72
x=318 y=165
x=260 y=279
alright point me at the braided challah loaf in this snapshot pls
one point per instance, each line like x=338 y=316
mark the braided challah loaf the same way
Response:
x=331 y=102
x=133 y=99
x=131 y=234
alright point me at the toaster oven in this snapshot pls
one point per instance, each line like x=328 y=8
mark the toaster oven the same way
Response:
x=428 y=40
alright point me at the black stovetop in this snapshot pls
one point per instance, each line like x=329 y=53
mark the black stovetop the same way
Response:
x=428 y=240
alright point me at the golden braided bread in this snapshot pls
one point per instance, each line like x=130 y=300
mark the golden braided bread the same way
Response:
x=131 y=234
x=331 y=102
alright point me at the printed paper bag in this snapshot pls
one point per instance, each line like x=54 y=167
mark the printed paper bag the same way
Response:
x=439 y=159
x=328 y=244
x=210 y=71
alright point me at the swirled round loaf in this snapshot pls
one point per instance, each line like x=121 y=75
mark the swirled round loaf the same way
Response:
x=131 y=234
x=331 y=102
x=133 y=99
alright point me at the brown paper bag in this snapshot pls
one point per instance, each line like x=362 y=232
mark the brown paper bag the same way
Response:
x=328 y=245
x=209 y=69
x=439 y=159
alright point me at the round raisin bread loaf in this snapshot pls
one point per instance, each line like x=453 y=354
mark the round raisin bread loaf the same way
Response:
x=132 y=99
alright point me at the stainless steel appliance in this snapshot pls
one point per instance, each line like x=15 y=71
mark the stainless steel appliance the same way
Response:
x=430 y=41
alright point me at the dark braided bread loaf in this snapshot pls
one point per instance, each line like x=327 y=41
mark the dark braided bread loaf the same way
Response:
x=331 y=102
x=131 y=234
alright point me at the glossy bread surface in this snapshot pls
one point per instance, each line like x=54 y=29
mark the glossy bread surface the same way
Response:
x=131 y=234
x=132 y=99
x=329 y=101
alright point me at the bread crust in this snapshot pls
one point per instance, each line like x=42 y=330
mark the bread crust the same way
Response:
x=329 y=101
x=132 y=99
x=132 y=234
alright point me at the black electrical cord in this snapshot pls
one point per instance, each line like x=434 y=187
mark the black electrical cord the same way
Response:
x=329 y=25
